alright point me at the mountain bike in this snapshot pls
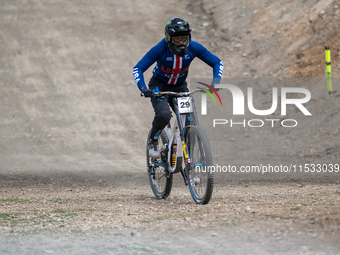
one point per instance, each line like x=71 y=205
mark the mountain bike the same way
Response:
x=184 y=148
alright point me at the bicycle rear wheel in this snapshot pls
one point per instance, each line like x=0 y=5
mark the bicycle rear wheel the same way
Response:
x=201 y=178
x=159 y=177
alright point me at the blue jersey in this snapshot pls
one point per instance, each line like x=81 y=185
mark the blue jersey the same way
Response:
x=172 y=69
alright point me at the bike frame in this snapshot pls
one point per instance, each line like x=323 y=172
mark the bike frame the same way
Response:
x=175 y=136
x=177 y=133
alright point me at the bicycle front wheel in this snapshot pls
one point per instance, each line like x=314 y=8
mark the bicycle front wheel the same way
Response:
x=201 y=178
x=160 y=179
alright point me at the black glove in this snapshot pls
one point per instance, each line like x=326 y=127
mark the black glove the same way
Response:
x=147 y=92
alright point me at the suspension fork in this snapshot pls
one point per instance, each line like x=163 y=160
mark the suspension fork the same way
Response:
x=182 y=135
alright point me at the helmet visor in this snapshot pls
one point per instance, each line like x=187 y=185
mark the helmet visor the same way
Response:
x=180 y=40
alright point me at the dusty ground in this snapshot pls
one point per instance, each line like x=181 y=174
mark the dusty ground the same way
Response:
x=118 y=214
x=73 y=128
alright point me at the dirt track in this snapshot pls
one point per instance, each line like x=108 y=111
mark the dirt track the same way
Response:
x=119 y=215
x=73 y=128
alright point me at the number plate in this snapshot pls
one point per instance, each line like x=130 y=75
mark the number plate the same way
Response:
x=184 y=104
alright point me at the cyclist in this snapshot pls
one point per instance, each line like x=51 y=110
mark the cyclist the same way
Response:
x=173 y=55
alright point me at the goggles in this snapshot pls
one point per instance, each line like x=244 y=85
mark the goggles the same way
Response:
x=180 y=40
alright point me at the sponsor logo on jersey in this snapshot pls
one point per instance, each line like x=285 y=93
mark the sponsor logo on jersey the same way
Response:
x=186 y=56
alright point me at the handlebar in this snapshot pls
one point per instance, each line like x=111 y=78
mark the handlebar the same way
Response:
x=174 y=94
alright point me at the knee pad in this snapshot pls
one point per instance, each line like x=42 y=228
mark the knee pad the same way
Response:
x=164 y=118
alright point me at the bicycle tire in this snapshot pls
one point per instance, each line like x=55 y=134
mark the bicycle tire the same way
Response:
x=161 y=180
x=200 y=155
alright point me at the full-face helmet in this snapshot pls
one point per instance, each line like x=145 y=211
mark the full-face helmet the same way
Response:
x=178 y=36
